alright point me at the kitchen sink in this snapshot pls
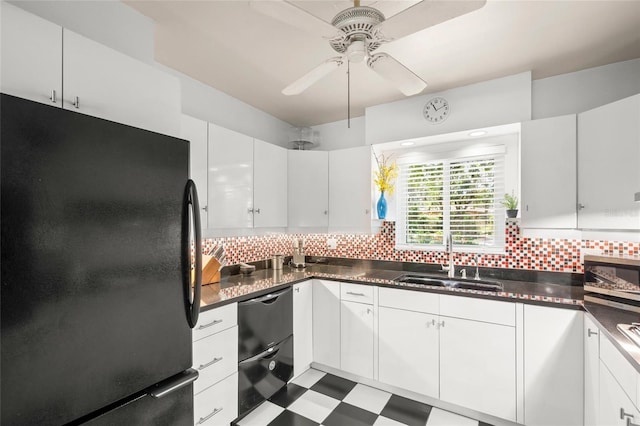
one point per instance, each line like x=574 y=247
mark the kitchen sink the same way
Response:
x=438 y=282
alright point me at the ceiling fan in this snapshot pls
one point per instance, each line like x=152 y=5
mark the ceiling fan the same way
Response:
x=357 y=32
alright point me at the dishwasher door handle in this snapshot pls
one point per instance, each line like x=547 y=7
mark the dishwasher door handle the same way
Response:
x=267 y=298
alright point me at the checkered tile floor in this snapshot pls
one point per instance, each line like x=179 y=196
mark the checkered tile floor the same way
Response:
x=316 y=398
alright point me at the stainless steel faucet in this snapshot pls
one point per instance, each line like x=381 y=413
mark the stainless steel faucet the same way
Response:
x=452 y=268
x=477 y=277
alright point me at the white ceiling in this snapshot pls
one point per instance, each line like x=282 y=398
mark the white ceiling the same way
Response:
x=251 y=57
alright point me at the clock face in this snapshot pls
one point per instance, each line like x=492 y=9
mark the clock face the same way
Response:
x=436 y=110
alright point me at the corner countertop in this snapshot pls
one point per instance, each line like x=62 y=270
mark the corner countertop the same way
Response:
x=236 y=288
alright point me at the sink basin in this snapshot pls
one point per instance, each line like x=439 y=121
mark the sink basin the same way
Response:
x=467 y=285
x=414 y=279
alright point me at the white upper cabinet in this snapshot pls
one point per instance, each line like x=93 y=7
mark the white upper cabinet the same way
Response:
x=247 y=181
x=230 y=180
x=39 y=57
x=350 y=190
x=195 y=131
x=102 y=82
x=31 y=65
x=608 y=172
x=549 y=173
x=269 y=185
x=308 y=189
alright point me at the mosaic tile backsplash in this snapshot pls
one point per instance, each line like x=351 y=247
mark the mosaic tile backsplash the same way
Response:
x=540 y=254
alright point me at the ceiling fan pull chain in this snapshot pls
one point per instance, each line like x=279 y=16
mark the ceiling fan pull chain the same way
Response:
x=348 y=94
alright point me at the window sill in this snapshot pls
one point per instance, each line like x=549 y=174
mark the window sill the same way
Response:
x=469 y=249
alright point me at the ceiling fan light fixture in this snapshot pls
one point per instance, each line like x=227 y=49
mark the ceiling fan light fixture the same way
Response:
x=357 y=51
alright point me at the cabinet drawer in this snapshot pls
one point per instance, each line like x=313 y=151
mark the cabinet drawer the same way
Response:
x=356 y=292
x=428 y=303
x=217 y=405
x=621 y=369
x=210 y=322
x=215 y=357
x=478 y=309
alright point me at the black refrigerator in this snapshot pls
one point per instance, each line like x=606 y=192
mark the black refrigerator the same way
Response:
x=98 y=224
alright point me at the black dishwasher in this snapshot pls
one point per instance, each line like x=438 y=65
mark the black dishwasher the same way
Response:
x=265 y=347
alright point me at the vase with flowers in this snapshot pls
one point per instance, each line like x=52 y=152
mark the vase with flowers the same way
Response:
x=384 y=178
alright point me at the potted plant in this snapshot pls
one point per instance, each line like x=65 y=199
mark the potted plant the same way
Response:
x=510 y=202
x=384 y=177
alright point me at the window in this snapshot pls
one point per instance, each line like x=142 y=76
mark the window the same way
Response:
x=458 y=194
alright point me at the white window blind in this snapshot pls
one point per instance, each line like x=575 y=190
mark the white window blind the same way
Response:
x=458 y=195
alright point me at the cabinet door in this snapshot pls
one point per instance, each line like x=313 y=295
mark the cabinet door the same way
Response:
x=195 y=131
x=350 y=190
x=553 y=366
x=114 y=86
x=615 y=406
x=31 y=49
x=356 y=338
x=608 y=172
x=478 y=366
x=409 y=350
x=591 y=374
x=269 y=185
x=549 y=173
x=302 y=327
x=230 y=179
x=308 y=189
x=326 y=323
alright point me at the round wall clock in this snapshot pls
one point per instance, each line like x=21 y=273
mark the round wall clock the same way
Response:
x=436 y=110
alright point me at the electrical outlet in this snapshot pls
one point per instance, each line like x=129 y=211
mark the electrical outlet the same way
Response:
x=332 y=243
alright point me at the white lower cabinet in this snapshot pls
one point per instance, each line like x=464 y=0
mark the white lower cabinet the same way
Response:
x=409 y=340
x=553 y=366
x=326 y=323
x=302 y=327
x=615 y=406
x=409 y=350
x=591 y=372
x=218 y=404
x=215 y=357
x=478 y=366
x=356 y=338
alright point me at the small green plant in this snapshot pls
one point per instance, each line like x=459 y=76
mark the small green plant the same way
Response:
x=510 y=202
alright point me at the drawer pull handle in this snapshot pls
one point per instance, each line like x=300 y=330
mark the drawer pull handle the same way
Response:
x=210 y=363
x=208 y=416
x=591 y=333
x=203 y=326
x=630 y=423
x=623 y=414
x=355 y=294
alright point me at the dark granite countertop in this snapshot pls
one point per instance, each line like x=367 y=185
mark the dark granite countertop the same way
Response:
x=236 y=287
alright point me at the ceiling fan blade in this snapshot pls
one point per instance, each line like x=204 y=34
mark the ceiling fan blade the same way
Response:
x=310 y=78
x=402 y=77
x=292 y=15
x=424 y=15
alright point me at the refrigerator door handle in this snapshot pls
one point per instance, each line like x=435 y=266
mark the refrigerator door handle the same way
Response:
x=191 y=211
x=174 y=383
